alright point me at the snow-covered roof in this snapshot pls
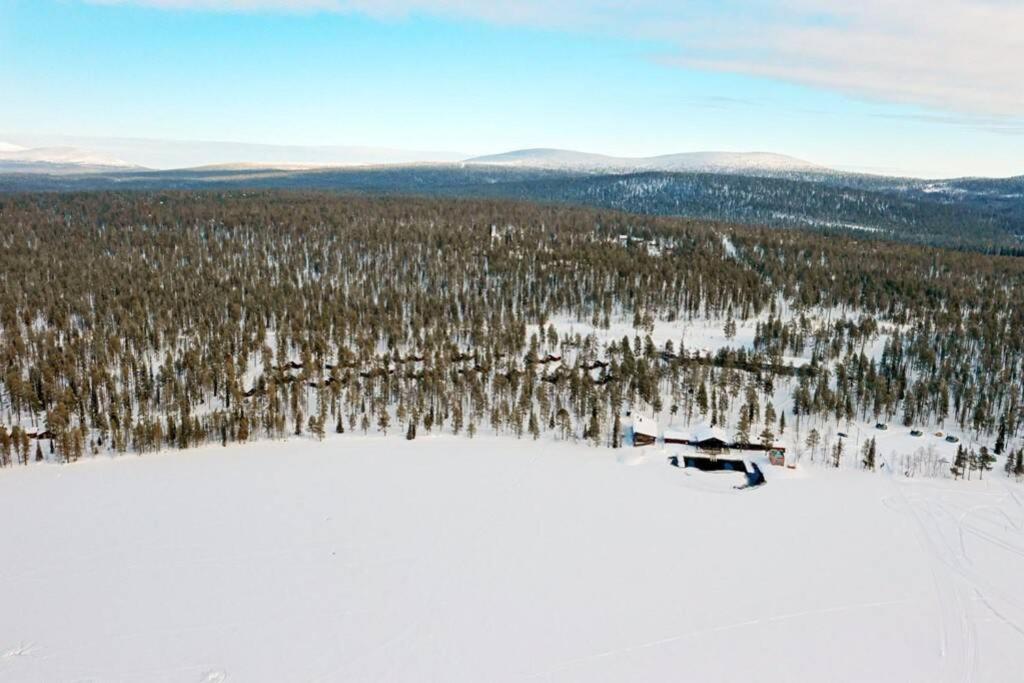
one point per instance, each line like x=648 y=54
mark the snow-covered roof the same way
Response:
x=705 y=432
x=645 y=425
x=677 y=435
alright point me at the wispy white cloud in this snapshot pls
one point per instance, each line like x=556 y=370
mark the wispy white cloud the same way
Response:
x=954 y=55
x=1001 y=125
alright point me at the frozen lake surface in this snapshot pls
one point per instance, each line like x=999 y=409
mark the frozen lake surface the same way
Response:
x=487 y=559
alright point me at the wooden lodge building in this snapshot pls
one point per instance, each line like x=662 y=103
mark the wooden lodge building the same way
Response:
x=706 y=439
x=645 y=431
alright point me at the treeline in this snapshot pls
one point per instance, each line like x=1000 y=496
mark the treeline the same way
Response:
x=132 y=322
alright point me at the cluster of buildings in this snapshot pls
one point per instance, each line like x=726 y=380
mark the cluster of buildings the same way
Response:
x=708 y=440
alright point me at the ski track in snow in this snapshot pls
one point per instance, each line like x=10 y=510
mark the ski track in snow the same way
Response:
x=763 y=621
x=944 y=530
x=954 y=618
x=515 y=560
x=19 y=651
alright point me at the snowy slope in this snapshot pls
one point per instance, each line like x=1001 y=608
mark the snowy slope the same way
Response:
x=179 y=154
x=450 y=559
x=551 y=158
x=734 y=161
x=61 y=155
x=692 y=161
x=56 y=160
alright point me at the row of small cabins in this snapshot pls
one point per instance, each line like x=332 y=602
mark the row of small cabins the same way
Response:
x=711 y=440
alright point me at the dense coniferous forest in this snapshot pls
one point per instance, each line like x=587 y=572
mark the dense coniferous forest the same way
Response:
x=979 y=214
x=132 y=322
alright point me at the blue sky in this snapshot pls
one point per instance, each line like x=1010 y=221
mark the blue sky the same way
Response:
x=486 y=78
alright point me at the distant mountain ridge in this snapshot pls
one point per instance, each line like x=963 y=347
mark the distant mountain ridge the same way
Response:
x=681 y=162
x=67 y=154
x=759 y=188
x=59 y=160
x=92 y=153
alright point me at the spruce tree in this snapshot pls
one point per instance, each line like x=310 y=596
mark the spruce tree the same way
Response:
x=813 y=439
x=985 y=460
x=5 y=447
x=595 y=427
x=958 y=469
x=742 y=435
x=868 y=461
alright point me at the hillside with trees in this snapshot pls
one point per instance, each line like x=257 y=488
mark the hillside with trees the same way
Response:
x=133 y=322
x=976 y=214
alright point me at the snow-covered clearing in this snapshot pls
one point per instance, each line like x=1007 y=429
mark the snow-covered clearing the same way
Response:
x=706 y=335
x=492 y=559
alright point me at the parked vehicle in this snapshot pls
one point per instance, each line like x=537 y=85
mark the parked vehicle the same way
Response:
x=843 y=435
x=916 y=432
x=952 y=439
x=882 y=426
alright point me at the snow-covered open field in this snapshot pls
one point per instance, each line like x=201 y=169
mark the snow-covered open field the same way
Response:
x=451 y=559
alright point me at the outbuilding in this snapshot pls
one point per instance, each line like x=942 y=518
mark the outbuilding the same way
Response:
x=645 y=431
x=709 y=438
x=674 y=436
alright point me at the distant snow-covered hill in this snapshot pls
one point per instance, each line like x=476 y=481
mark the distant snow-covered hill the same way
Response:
x=69 y=154
x=687 y=161
x=63 y=159
x=186 y=154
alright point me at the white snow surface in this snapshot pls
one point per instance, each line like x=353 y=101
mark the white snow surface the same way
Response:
x=686 y=161
x=495 y=559
x=59 y=155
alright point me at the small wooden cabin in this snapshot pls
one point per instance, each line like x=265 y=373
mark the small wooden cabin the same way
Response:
x=673 y=436
x=710 y=439
x=645 y=431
